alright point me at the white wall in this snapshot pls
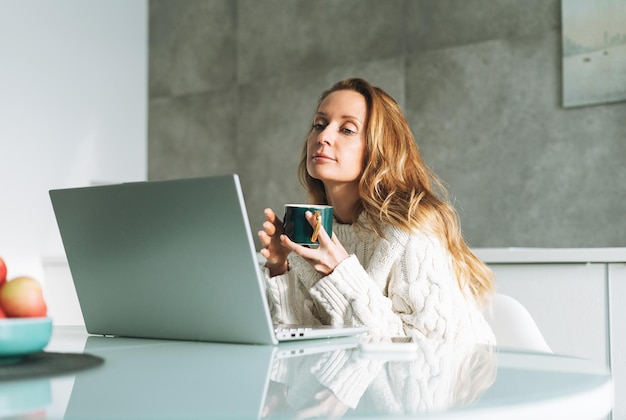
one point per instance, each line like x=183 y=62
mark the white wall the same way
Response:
x=73 y=112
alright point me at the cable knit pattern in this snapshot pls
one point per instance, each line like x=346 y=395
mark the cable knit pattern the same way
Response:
x=401 y=285
x=346 y=375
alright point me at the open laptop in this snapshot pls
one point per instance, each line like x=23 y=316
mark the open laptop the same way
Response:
x=172 y=260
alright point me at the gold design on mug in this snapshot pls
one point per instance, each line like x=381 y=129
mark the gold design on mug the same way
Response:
x=318 y=225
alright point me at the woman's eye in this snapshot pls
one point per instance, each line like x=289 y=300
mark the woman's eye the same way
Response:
x=347 y=131
x=318 y=126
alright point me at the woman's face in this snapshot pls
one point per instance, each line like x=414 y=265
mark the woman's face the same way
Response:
x=336 y=144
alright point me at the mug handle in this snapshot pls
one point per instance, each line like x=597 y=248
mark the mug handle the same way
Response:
x=318 y=226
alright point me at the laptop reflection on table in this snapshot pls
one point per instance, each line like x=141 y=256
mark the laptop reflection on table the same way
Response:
x=182 y=379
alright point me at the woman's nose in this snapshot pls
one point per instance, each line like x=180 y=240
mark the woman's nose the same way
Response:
x=325 y=136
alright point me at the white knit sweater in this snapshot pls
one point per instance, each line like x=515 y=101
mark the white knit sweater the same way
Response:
x=401 y=285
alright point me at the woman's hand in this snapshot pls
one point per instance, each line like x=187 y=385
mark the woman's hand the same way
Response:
x=326 y=257
x=273 y=251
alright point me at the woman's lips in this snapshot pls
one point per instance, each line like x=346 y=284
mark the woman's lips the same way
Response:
x=321 y=157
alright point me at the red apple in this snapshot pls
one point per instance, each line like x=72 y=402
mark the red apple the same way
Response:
x=2 y=314
x=22 y=297
x=3 y=272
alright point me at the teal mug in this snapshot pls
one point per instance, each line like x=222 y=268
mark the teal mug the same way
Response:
x=298 y=228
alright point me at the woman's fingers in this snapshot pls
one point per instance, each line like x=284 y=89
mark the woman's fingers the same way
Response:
x=324 y=258
x=269 y=228
x=272 y=217
x=264 y=238
x=318 y=227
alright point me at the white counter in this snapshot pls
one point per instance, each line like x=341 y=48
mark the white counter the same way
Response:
x=550 y=255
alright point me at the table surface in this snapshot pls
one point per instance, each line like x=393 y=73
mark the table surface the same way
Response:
x=176 y=379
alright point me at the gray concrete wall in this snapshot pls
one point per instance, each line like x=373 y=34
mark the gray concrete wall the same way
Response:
x=233 y=85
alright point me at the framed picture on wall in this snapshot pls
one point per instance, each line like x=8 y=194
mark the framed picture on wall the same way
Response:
x=594 y=51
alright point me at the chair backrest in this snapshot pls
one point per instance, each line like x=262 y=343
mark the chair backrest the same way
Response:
x=514 y=326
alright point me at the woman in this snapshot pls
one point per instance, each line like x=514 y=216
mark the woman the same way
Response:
x=396 y=260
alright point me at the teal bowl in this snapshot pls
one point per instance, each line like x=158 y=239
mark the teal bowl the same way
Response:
x=21 y=336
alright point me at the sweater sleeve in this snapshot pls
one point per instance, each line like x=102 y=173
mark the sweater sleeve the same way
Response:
x=350 y=297
x=289 y=302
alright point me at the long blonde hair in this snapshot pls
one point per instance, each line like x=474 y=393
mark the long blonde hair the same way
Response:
x=397 y=187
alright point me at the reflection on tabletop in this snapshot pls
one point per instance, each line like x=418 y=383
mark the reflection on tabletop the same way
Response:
x=316 y=378
x=346 y=382
x=143 y=378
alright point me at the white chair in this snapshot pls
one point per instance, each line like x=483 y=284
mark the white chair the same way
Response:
x=514 y=326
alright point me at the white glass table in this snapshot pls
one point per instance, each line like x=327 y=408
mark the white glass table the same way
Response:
x=143 y=378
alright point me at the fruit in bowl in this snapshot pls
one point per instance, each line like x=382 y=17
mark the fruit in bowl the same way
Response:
x=22 y=297
x=24 y=325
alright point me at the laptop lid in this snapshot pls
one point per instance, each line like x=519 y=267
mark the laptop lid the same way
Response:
x=166 y=259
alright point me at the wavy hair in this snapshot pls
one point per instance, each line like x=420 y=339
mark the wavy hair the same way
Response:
x=397 y=187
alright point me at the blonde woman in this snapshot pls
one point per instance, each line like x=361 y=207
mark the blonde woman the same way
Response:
x=396 y=260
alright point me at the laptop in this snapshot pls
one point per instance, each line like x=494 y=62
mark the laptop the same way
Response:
x=170 y=259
